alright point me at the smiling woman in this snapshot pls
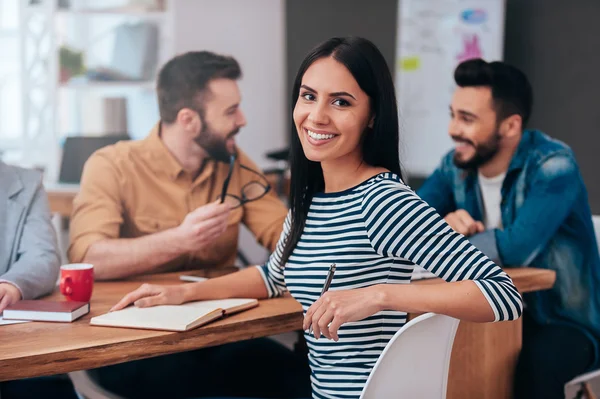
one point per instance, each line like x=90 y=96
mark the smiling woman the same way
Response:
x=321 y=115
x=350 y=206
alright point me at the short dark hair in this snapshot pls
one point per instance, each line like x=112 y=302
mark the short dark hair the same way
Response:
x=511 y=90
x=182 y=81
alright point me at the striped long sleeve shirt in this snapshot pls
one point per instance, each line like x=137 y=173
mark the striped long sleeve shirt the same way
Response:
x=375 y=233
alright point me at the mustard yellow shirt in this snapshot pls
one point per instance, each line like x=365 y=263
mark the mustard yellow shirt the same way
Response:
x=135 y=188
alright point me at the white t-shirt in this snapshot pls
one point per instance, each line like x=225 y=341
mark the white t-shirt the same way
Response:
x=491 y=193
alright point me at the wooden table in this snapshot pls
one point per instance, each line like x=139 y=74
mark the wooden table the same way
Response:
x=36 y=349
x=484 y=355
x=482 y=362
x=60 y=197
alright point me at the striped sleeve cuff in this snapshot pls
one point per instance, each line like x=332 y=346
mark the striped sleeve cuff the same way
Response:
x=490 y=298
x=264 y=273
x=505 y=303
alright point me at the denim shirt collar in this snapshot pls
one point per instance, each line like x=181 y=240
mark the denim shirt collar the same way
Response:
x=520 y=156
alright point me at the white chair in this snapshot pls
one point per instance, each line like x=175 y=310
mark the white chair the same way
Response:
x=582 y=382
x=596 y=222
x=415 y=362
x=87 y=388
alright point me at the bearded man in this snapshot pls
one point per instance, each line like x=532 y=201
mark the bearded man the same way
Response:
x=520 y=198
x=175 y=201
x=154 y=205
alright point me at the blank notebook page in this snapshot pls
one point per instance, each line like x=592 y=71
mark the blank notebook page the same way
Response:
x=173 y=317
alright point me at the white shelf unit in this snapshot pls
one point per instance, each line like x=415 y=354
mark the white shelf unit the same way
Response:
x=152 y=14
x=10 y=142
x=100 y=85
x=9 y=33
x=10 y=104
x=54 y=109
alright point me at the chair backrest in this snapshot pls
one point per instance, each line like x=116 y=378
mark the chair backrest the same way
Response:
x=415 y=362
x=77 y=149
x=596 y=222
x=86 y=387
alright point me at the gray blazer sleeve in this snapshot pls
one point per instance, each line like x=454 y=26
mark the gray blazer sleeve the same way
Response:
x=35 y=271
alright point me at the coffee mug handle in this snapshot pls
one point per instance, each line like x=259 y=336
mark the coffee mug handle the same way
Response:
x=65 y=286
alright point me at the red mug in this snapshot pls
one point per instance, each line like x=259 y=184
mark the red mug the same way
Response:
x=77 y=281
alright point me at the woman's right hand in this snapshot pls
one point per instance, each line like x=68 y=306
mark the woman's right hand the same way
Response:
x=152 y=295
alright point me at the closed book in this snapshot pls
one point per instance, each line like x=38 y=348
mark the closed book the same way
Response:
x=173 y=317
x=39 y=310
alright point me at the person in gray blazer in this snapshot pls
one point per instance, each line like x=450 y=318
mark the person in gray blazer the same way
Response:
x=29 y=257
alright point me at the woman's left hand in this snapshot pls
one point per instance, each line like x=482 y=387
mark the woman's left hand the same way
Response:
x=335 y=308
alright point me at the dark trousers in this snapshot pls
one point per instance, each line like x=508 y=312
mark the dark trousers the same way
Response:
x=255 y=368
x=551 y=356
x=56 y=386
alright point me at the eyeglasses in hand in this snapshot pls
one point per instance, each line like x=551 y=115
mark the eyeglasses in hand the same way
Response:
x=251 y=191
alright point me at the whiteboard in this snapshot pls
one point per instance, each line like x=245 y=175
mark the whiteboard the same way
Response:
x=434 y=36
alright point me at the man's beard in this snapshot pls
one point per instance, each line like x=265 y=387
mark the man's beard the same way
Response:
x=214 y=144
x=483 y=152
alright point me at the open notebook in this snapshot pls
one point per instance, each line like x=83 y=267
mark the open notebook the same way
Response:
x=173 y=317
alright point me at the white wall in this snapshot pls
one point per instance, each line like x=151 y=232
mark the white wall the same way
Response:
x=253 y=32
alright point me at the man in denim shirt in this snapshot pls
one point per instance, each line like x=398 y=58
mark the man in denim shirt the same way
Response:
x=519 y=197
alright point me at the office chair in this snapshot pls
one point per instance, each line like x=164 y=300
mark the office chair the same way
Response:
x=416 y=361
x=77 y=150
x=582 y=382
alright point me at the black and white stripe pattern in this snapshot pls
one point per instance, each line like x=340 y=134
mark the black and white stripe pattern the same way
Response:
x=375 y=233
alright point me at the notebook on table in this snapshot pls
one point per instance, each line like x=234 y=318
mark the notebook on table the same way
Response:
x=39 y=310
x=173 y=317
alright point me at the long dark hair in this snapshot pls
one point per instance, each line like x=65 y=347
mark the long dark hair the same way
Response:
x=379 y=145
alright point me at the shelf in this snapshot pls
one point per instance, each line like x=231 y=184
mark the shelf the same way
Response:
x=10 y=144
x=133 y=12
x=94 y=85
x=9 y=32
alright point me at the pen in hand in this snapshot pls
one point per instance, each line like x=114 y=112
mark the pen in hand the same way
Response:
x=325 y=286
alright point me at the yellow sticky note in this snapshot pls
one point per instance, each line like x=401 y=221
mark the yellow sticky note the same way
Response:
x=410 y=63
